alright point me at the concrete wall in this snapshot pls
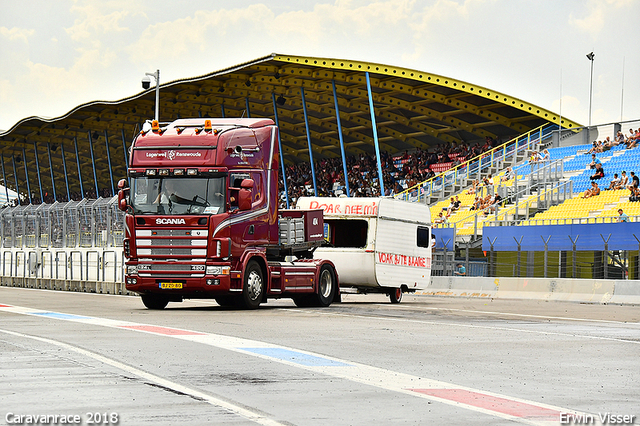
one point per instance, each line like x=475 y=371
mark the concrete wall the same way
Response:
x=556 y=289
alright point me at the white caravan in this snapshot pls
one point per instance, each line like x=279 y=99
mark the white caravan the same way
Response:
x=378 y=245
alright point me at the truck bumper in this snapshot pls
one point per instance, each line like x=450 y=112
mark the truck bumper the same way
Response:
x=201 y=287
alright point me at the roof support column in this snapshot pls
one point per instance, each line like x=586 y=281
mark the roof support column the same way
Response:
x=224 y=115
x=93 y=164
x=75 y=141
x=26 y=175
x=53 y=182
x=306 y=125
x=124 y=149
x=106 y=142
x=4 y=178
x=375 y=134
x=284 y=175
x=344 y=160
x=64 y=169
x=15 y=176
x=246 y=104
x=35 y=152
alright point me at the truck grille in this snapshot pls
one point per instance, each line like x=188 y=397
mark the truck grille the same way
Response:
x=165 y=244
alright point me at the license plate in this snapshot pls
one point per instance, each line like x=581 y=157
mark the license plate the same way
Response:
x=166 y=285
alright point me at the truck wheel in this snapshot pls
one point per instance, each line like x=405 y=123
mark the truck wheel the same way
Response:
x=395 y=295
x=303 y=301
x=326 y=286
x=253 y=288
x=226 y=301
x=154 y=301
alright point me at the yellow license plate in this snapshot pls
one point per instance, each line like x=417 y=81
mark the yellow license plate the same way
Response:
x=170 y=285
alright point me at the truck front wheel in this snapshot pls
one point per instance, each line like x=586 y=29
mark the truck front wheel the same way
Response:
x=154 y=301
x=253 y=289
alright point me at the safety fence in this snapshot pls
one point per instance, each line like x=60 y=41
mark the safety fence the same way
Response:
x=83 y=224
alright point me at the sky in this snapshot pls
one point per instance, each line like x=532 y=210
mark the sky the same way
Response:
x=57 y=54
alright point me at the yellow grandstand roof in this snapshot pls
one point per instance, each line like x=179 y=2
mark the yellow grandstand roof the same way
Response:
x=413 y=109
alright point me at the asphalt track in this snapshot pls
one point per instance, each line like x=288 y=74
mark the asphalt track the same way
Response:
x=428 y=360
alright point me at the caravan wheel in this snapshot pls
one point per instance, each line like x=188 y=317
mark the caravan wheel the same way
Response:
x=395 y=295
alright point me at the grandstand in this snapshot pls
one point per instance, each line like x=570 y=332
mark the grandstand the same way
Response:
x=543 y=211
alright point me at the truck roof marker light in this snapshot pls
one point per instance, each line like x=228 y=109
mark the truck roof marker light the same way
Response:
x=198 y=130
x=163 y=172
x=216 y=131
x=192 y=172
x=178 y=172
x=150 y=172
x=155 y=126
x=179 y=129
x=207 y=125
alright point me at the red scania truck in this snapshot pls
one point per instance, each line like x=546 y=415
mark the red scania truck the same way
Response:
x=202 y=219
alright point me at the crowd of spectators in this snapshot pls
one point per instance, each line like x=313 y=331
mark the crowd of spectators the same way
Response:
x=617 y=182
x=399 y=172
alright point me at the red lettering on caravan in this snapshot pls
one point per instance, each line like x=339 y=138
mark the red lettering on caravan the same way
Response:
x=403 y=260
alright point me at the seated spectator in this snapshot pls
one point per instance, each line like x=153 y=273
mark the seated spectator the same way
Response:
x=634 y=193
x=633 y=140
x=598 y=173
x=594 y=147
x=441 y=219
x=458 y=203
x=607 y=144
x=508 y=175
x=473 y=188
x=477 y=204
x=594 y=160
x=615 y=182
x=545 y=156
x=635 y=182
x=487 y=180
x=624 y=181
x=533 y=159
x=451 y=206
x=497 y=199
x=595 y=190
x=619 y=139
x=630 y=138
x=622 y=217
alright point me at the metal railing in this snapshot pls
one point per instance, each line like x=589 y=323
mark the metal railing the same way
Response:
x=501 y=156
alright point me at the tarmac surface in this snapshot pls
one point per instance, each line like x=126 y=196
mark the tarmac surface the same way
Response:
x=102 y=359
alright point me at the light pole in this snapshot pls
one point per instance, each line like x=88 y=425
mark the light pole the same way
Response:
x=590 y=57
x=146 y=83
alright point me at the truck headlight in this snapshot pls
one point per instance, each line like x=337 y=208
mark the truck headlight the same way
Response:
x=132 y=269
x=217 y=270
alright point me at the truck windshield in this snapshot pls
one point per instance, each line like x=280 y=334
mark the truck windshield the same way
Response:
x=177 y=196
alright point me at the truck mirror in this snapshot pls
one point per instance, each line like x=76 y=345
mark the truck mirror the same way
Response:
x=122 y=184
x=122 y=203
x=247 y=183
x=244 y=199
x=122 y=200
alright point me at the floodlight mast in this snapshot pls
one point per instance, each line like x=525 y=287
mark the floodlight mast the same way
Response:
x=146 y=83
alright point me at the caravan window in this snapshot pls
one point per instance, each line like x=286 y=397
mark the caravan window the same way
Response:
x=423 y=237
x=347 y=233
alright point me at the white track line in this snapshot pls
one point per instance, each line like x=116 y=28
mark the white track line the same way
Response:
x=497 y=405
x=241 y=411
